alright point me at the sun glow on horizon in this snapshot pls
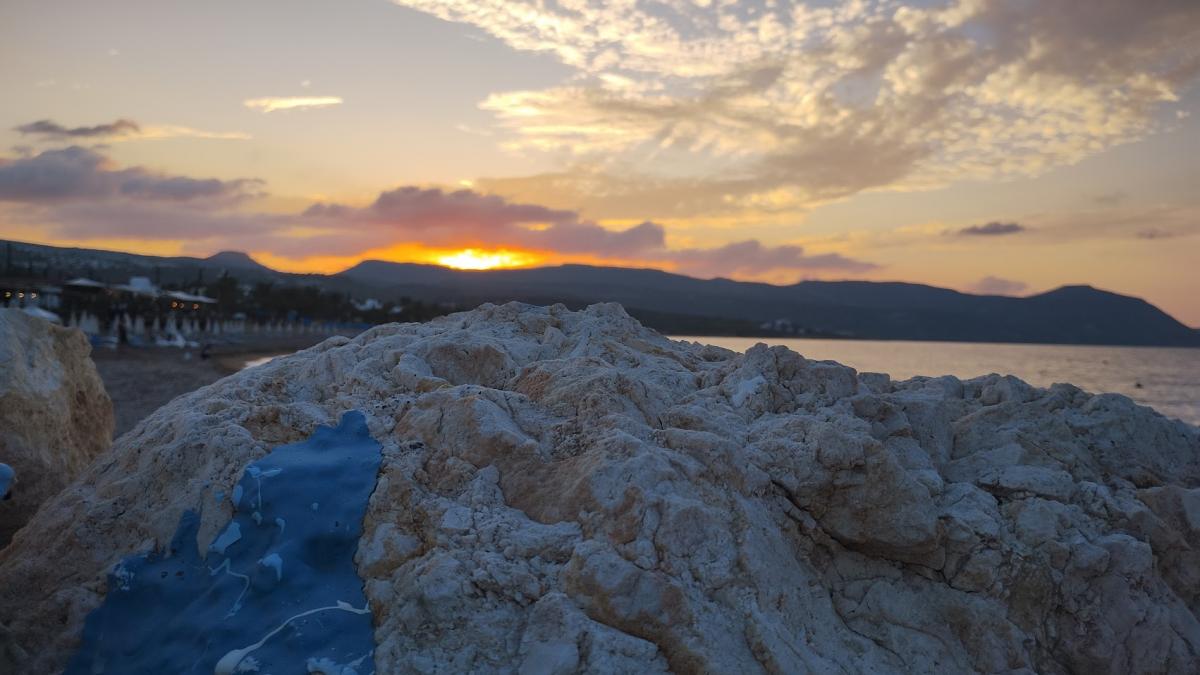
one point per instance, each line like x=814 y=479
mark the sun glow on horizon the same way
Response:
x=458 y=258
x=479 y=259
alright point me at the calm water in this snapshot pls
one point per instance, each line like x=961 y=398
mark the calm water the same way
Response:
x=1170 y=377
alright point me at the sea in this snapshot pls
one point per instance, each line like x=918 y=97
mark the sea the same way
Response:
x=1164 y=378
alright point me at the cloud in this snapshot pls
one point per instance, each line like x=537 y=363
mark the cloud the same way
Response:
x=80 y=174
x=1155 y=233
x=82 y=194
x=752 y=259
x=1114 y=198
x=992 y=229
x=1117 y=225
x=54 y=130
x=418 y=208
x=627 y=191
x=119 y=130
x=158 y=131
x=990 y=285
x=159 y=221
x=474 y=131
x=466 y=218
x=1160 y=221
x=433 y=217
x=794 y=104
x=272 y=103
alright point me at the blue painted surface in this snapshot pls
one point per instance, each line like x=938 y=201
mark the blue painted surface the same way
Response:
x=6 y=479
x=277 y=591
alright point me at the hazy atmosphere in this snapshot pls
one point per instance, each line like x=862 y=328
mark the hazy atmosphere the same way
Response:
x=984 y=145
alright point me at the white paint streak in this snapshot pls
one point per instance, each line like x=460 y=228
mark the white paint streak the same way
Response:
x=228 y=663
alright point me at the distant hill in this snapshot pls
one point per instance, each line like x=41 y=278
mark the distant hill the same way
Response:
x=236 y=260
x=115 y=266
x=860 y=309
x=679 y=304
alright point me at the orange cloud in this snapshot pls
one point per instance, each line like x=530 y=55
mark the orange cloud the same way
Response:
x=77 y=192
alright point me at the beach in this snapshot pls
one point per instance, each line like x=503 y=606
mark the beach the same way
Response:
x=140 y=380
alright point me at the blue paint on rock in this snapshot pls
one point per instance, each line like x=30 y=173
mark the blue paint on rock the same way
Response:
x=259 y=601
x=6 y=479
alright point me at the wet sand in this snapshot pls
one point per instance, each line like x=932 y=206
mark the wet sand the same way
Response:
x=141 y=380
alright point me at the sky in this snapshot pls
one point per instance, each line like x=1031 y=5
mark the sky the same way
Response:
x=991 y=146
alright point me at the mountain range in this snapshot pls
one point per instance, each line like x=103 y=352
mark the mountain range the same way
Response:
x=680 y=304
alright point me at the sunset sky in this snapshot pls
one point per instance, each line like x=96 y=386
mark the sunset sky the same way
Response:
x=1000 y=146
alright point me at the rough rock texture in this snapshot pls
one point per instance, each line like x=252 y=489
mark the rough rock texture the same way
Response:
x=283 y=568
x=54 y=415
x=570 y=492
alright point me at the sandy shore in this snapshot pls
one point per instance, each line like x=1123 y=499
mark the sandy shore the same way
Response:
x=141 y=380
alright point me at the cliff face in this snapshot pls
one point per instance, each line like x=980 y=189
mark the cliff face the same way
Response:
x=54 y=415
x=568 y=491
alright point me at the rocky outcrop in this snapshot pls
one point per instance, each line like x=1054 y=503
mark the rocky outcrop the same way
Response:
x=570 y=492
x=54 y=415
x=284 y=566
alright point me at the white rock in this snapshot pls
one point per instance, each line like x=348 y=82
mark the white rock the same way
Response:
x=1035 y=480
x=54 y=414
x=570 y=492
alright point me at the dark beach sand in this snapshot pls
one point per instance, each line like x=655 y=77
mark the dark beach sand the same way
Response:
x=141 y=380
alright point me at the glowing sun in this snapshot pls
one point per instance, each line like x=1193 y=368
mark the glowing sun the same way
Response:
x=477 y=259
